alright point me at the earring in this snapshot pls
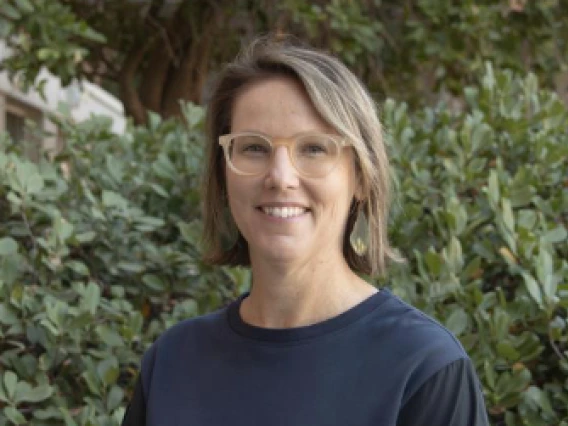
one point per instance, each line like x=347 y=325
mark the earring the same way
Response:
x=359 y=238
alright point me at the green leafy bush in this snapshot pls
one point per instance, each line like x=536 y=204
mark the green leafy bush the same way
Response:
x=482 y=218
x=99 y=251
x=98 y=254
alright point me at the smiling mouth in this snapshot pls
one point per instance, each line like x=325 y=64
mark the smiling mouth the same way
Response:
x=284 y=212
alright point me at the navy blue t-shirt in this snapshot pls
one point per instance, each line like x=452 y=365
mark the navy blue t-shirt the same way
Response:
x=381 y=363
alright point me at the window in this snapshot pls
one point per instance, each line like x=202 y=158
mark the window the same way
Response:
x=15 y=126
x=16 y=115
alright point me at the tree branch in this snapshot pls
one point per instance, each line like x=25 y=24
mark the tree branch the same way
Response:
x=128 y=94
x=188 y=79
x=162 y=57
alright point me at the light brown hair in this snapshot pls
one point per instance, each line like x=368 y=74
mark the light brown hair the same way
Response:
x=343 y=102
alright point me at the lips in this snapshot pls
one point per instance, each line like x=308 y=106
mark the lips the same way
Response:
x=283 y=212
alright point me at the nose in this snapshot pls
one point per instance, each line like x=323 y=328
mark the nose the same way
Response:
x=281 y=173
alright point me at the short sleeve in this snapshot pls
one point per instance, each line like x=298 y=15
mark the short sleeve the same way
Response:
x=136 y=412
x=451 y=397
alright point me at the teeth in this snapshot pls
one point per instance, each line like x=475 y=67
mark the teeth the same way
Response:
x=283 y=212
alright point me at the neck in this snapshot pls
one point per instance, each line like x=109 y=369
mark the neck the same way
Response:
x=286 y=296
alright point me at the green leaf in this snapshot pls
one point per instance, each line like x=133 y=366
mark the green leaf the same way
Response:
x=164 y=167
x=56 y=311
x=63 y=229
x=193 y=114
x=50 y=413
x=493 y=188
x=25 y=6
x=8 y=246
x=457 y=322
x=14 y=199
x=26 y=393
x=151 y=222
x=86 y=237
x=433 y=262
x=190 y=232
x=109 y=336
x=79 y=267
x=107 y=370
x=115 y=168
x=14 y=415
x=544 y=267
x=521 y=197
x=93 y=35
x=473 y=268
x=93 y=382
x=10 y=382
x=154 y=120
x=10 y=11
x=34 y=184
x=539 y=398
x=28 y=177
x=519 y=380
x=459 y=216
x=69 y=421
x=7 y=315
x=455 y=258
x=533 y=288
x=113 y=199
x=158 y=189
x=154 y=282
x=508 y=217
x=114 y=398
x=92 y=297
x=506 y=350
x=489 y=77
x=489 y=374
x=131 y=267
x=556 y=235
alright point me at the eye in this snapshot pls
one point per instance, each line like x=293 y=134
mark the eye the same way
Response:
x=313 y=149
x=251 y=146
x=315 y=146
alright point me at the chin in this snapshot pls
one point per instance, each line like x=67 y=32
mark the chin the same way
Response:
x=278 y=251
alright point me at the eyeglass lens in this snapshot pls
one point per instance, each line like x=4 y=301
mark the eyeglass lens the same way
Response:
x=312 y=155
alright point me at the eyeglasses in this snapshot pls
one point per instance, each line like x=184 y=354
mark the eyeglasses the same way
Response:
x=312 y=154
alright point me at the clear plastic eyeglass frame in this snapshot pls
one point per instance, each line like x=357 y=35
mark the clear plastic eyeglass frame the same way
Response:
x=289 y=143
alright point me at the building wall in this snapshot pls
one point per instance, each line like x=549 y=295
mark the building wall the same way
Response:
x=81 y=99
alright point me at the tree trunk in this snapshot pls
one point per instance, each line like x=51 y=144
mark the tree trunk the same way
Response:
x=155 y=76
x=187 y=80
x=164 y=56
x=128 y=94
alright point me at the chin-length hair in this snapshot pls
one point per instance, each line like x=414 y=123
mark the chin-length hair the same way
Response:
x=343 y=102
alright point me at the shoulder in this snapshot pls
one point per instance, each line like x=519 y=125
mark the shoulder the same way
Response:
x=412 y=330
x=186 y=331
x=182 y=340
x=414 y=340
x=451 y=396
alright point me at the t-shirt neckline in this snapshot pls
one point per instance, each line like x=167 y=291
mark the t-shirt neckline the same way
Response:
x=287 y=335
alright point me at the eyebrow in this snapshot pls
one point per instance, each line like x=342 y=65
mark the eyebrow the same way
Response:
x=307 y=132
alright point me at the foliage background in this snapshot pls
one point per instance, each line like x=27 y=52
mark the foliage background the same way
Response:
x=99 y=244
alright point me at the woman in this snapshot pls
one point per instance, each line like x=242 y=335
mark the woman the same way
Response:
x=297 y=188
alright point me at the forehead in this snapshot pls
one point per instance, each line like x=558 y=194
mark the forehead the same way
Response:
x=278 y=106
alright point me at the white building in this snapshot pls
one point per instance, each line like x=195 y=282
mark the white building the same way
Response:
x=82 y=100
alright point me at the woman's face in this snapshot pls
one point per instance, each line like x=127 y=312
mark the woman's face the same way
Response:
x=284 y=216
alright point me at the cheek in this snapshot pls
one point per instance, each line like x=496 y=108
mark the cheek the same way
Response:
x=334 y=199
x=240 y=192
x=338 y=195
